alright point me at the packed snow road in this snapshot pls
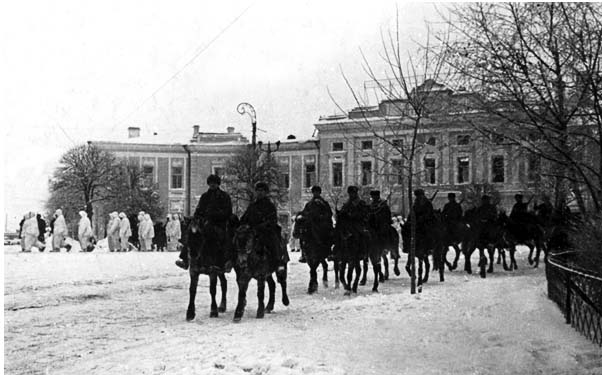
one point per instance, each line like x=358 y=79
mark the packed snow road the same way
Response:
x=124 y=313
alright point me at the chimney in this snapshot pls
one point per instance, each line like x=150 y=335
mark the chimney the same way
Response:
x=195 y=131
x=230 y=129
x=133 y=132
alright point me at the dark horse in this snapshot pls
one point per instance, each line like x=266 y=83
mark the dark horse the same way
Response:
x=252 y=262
x=485 y=235
x=207 y=256
x=528 y=232
x=378 y=248
x=349 y=249
x=428 y=241
x=316 y=245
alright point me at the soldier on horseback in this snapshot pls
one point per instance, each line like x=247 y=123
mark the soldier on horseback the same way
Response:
x=211 y=216
x=316 y=240
x=519 y=213
x=379 y=223
x=423 y=208
x=261 y=216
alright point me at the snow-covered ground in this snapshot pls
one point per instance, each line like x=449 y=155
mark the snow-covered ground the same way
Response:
x=124 y=313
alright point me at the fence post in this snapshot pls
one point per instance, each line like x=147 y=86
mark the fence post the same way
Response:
x=567 y=305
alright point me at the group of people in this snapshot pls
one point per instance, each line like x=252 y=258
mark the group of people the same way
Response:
x=34 y=231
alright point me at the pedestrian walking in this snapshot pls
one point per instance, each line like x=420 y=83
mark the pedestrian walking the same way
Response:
x=147 y=233
x=124 y=232
x=174 y=232
x=113 y=231
x=59 y=232
x=30 y=233
x=84 y=232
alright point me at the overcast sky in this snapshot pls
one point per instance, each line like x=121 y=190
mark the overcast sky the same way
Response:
x=73 y=71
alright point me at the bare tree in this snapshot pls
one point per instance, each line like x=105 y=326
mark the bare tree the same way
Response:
x=83 y=175
x=248 y=167
x=411 y=87
x=536 y=68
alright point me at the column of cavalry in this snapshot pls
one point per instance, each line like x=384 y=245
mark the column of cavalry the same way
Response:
x=215 y=241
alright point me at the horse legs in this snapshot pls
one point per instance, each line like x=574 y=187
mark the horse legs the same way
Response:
x=350 y=278
x=467 y=254
x=313 y=276
x=420 y=280
x=456 y=258
x=358 y=271
x=491 y=251
x=376 y=268
x=272 y=294
x=223 y=282
x=482 y=262
x=336 y=264
x=365 y=275
x=396 y=267
x=213 y=292
x=194 y=280
x=530 y=258
x=502 y=253
x=325 y=272
x=243 y=285
x=281 y=277
x=385 y=266
x=427 y=267
x=260 y=297
x=342 y=266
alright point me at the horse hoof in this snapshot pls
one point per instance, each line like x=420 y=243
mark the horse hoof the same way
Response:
x=222 y=309
x=489 y=271
x=530 y=260
x=213 y=314
x=396 y=270
x=336 y=285
x=515 y=267
x=375 y=290
x=285 y=300
x=536 y=265
x=269 y=309
x=347 y=292
x=260 y=314
x=363 y=282
x=354 y=290
x=325 y=283
x=190 y=315
x=237 y=319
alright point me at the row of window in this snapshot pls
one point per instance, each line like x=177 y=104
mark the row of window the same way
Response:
x=176 y=172
x=461 y=140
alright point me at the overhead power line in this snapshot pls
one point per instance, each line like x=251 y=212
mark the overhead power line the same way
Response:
x=200 y=51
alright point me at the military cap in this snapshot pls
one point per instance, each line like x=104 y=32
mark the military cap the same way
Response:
x=262 y=186
x=375 y=193
x=352 y=189
x=316 y=189
x=451 y=195
x=485 y=198
x=518 y=196
x=213 y=178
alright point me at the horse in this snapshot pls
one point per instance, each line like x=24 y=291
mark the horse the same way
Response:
x=392 y=247
x=206 y=256
x=485 y=235
x=457 y=235
x=378 y=249
x=527 y=232
x=253 y=262
x=349 y=248
x=316 y=246
x=425 y=244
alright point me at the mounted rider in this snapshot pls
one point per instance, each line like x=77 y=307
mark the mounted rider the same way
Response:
x=545 y=211
x=211 y=218
x=262 y=217
x=486 y=212
x=317 y=216
x=452 y=214
x=379 y=220
x=519 y=213
x=355 y=214
x=423 y=209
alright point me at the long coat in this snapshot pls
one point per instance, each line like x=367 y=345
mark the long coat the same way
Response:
x=59 y=232
x=30 y=233
x=211 y=247
x=318 y=234
x=84 y=232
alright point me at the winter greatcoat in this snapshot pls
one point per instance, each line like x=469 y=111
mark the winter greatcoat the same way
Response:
x=84 y=231
x=30 y=234
x=174 y=233
x=59 y=232
x=113 y=232
x=124 y=232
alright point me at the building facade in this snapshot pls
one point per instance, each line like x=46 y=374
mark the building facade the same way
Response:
x=367 y=147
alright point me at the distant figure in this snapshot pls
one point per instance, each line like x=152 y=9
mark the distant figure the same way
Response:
x=59 y=232
x=124 y=232
x=174 y=232
x=84 y=232
x=148 y=233
x=113 y=231
x=294 y=242
x=41 y=229
x=140 y=229
x=30 y=233
x=160 y=239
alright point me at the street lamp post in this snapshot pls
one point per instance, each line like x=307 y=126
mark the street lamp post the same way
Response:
x=247 y=108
